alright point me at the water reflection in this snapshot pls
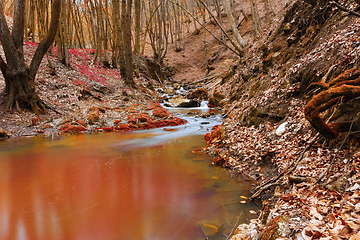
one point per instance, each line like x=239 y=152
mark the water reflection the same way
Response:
x=97 y=187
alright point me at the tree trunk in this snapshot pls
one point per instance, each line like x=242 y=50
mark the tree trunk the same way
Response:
x=137 y=36
x=126 y=7
x=19 y=79
x=233 y=24
x=64 y=35
x=254 y=17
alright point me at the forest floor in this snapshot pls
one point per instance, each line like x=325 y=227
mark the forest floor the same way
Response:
x=87 y=98
x=309 y=186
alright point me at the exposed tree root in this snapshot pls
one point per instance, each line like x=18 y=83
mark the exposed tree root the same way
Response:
x=346 y=84
x=21 y=94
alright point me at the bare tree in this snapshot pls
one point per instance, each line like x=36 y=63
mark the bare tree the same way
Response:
x=19 y=78
x=137 y=35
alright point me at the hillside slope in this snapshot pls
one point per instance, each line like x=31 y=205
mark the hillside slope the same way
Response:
x=309 y=184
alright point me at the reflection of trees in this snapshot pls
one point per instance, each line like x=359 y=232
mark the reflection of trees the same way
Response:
x=63 y=193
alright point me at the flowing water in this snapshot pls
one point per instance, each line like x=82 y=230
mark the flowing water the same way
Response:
x=137 y=185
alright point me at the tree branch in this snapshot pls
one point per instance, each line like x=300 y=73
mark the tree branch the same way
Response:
x=48 y=40
x=345 y=9
x=9 y=47
x=222 y=42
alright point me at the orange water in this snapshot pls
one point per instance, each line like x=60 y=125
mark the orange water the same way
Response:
x=111 y=186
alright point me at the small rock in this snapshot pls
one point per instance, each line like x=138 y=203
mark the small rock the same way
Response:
x=180 y=101
x=281 y=129
x=177 y=86
x=287 y=27
x=357 y=207
x=3 y=134
x=170 y=91
x=215 y=100
x=200 y=93
x=244 y=231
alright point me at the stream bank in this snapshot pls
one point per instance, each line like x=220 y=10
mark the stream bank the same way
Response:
x=134 y=185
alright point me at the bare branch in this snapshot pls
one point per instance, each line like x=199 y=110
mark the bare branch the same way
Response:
x=222 y=42
x=48 y=40
x=345 y=9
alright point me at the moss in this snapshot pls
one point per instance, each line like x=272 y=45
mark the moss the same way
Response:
x=160 y=112
x=93 y=115
x=144 y=118
x=70 y=128
x=122 y=127
x=277 y=227
x=215 y=100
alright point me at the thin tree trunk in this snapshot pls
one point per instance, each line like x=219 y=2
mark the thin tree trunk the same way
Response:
x=275 y=7
x=64 y=34
x=137 y=36
x=126 y=23
x=243 y=9
x=233 y=24
x=254 y=18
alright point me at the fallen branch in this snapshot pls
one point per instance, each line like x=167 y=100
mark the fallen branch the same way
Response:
x=276 y=180
x=235 y=225
x=345 y=9
x=226 y=114
x=328 y=169
x=263 y=188
x=48 y=106
x=205 y=79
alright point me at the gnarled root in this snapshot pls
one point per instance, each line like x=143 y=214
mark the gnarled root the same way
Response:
x=324 y=101
x=21 y=95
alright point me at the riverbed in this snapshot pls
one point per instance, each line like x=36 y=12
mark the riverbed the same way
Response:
x=133 y=185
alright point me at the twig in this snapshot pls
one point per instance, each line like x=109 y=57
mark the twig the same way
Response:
x=202 y=228
x=258 y=192
x=345 y=9
x=337 y=152
x=226 y=114
x=324 y=78
x=234 y=225
x=276 y=181
x=52 y=108
x=204 y=79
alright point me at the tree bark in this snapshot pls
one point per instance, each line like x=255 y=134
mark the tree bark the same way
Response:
x=126 y=23
x=64 y=35
x=233 y=24
x=137 y=36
